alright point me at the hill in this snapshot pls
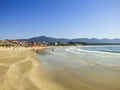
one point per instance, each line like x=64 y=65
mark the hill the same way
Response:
x=64 y=40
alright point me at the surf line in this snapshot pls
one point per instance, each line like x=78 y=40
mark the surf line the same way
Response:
x=73 y=58
x=86 y=62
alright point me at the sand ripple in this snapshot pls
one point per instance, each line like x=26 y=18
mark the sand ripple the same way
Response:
x=20 y=70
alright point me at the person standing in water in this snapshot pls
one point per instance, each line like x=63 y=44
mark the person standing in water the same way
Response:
x=52 y=49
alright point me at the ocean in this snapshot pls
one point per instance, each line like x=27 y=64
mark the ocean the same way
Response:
x=106 y=48
x=83 y=67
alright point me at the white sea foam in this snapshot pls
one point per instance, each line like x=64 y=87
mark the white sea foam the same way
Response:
x=79 y=50
x=104 y=59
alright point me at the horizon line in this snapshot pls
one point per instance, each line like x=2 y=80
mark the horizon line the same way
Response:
x=59 y=38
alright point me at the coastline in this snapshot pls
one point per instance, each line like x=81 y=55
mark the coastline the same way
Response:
x=81 y=70
x=20 y=70
x=25 y=69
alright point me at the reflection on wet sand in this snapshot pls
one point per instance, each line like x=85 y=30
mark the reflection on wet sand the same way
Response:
x=75 y=74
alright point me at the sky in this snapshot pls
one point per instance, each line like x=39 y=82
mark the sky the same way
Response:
x=22 y=19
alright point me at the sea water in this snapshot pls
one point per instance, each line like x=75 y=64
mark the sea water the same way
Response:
x=83 y=67
x=104 y=48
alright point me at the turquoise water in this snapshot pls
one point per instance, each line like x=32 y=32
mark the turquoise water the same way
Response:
x=104 y=56
x=82 y=67
x=111 y=49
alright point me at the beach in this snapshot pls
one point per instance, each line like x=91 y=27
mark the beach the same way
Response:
x=24 y=69
x=78 y=69
x=20 y=70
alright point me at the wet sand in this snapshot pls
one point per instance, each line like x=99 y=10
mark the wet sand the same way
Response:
x=20 y=70
x=77 y=73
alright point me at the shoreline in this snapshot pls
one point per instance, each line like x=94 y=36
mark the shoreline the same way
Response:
x=24 y=69
x=83 y=71
x=20 y=70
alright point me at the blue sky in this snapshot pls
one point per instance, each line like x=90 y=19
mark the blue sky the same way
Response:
x=59 y=18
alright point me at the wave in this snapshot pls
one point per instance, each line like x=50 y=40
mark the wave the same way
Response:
x=106 y=60
x=87 y=49
x=94 y=58
x=110 y=49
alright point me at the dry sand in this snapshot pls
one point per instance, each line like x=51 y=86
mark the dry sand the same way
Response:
x=20 y=70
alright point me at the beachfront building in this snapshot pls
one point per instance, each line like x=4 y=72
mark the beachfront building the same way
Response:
x=6 y=43
x=18 y=43
x=44 y=44
x=14 y=41
x=56 y=44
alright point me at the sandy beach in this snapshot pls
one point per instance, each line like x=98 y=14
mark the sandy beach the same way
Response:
x=23 y=69
x=20 y=70
x=81 y=70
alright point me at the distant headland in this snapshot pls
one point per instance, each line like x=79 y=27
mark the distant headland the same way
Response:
x=65 y=41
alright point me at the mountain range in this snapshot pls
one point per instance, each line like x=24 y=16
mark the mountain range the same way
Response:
x=64 y=40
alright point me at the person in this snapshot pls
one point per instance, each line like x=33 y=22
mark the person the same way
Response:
x=52 y=49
